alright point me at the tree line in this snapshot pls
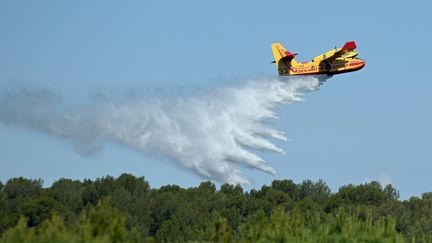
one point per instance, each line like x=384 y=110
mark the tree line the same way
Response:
x=127 y=209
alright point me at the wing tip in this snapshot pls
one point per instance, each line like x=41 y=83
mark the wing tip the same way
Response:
x=350 y=45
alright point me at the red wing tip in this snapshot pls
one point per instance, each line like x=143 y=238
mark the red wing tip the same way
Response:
x=350 y=45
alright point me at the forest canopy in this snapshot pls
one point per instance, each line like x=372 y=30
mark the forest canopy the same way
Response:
x=127 y=209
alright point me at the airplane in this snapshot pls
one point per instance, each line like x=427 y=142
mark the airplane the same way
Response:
x=339 y=60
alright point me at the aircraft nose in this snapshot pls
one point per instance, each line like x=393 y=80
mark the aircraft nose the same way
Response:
x=357 y=64
x=362 y=64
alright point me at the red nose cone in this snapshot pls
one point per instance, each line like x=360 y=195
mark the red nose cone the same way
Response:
x=363 y=63
x=356 y=65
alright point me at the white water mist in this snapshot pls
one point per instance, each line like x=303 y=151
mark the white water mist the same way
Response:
x=210 y=132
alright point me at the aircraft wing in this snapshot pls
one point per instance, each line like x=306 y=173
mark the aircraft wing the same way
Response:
x=348 y=47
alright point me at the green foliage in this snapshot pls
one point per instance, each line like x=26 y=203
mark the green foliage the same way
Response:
x=126 y=209
x=295 y=227
x=104 y=223
x=101 y=224
x=37 y=209
x=366 y=194
x=20 y=233
x=21 y=188
x=14 y=193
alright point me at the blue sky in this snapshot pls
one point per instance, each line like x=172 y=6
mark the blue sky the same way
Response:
x=374 y=124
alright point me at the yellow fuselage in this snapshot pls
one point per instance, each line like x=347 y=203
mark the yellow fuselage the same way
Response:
x=338 y=60
x=338 y=65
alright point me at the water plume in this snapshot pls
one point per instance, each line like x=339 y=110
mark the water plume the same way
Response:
x=214 y=132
